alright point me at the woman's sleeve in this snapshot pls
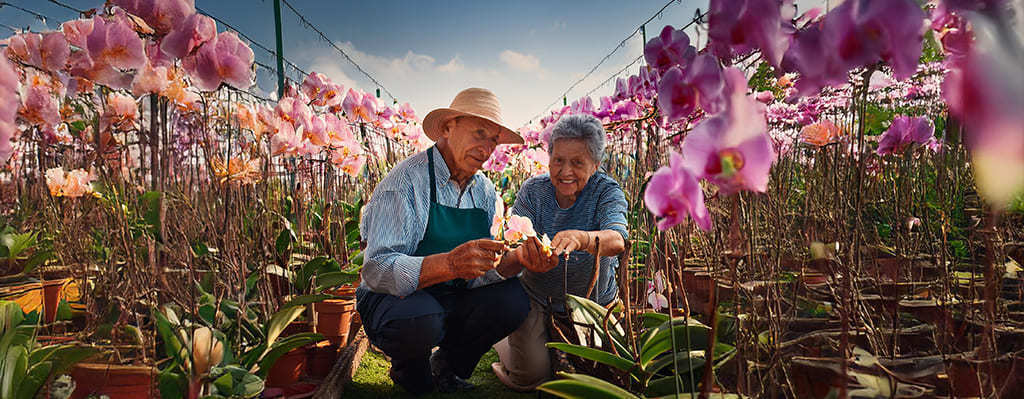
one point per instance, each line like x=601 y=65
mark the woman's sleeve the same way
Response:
x=611 y=211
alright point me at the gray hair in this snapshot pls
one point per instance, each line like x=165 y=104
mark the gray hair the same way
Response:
x=581 y=127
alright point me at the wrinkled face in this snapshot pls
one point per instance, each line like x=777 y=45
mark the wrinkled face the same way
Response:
x=471 y=140
x=571 y=166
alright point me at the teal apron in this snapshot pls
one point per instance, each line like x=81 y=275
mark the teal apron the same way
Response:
x=447 y=228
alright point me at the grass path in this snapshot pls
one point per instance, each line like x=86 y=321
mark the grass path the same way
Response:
x=372 y=381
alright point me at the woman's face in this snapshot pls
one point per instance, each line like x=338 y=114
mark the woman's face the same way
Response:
x=571 y=166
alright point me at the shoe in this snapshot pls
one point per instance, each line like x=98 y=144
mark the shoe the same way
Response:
x=445 y=380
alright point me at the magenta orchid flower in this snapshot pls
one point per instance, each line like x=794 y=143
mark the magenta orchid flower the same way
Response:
x=162 y=15
x=905 y=131
x=188 y=36
x=673 y=193
x=113 y=42
x=854 y=34
x=732 y=149
x=670 y=48
x=223 y=59
x=681 y=91
x=739 y=26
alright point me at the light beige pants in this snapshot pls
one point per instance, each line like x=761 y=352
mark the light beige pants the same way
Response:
x=524 y=358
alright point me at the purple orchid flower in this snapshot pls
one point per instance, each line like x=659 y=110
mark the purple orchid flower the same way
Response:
x=905 y=131
x=189 y=35
x=673 y=193
x=113 y=42
x=732 y=149
x=681 y=91
x=223 y=59
x=740 y=26
x=670 y=48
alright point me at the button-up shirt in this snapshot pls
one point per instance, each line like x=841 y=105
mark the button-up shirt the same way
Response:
x=395 y=219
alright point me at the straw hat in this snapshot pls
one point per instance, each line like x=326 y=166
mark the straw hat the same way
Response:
x=480 y=103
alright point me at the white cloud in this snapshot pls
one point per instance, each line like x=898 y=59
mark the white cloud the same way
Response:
x=454 y=66
x=520 y=61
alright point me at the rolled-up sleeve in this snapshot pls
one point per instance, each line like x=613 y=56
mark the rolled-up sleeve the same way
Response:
x=392 y=229
x=612 y=209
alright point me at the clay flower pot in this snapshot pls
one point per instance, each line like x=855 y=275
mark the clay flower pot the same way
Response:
x=334 y=319
x=288 y=368
x=51 y=298
x=322 y=357
x=114 y=381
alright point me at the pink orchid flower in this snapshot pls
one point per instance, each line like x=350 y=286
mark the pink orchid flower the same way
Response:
x=518 y=228
x=681 y=91
x=498 y=221
x=905 y=131
x=161 y=15
x=359 y=106
x=353 y=165
x=223 y=59
x=113 y=42
x=739 y=26
x=655 y=289
x=83 y=66
x=149 y=80
x=8 y=109
x=405 y=111
x=77 y=32
x=673 y=193
x=821 y=133
x=732 y=149
x=48 y=51
x=71 y=184
x=121 y=108
x=670 y=48
x=38 y=106
x=189 y=35
x=321 y=90
x=287 y=140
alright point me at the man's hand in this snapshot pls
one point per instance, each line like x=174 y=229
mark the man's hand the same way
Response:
x=570 y=240
x=474 y=258
x=531 y=256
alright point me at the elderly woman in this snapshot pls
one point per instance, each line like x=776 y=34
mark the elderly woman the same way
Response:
x=576 y=205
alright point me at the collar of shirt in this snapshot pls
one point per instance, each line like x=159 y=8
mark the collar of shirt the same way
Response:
x=444 y=174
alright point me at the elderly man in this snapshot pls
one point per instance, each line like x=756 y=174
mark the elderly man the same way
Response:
x=429 y=277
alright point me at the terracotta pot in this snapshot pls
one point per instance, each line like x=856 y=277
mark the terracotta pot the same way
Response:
x=51 y=298
x=114 y=381
x=334 y=319
x=347 y=291
x=321 y=359
x=288 y=368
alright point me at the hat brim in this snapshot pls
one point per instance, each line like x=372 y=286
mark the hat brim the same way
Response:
x=433 y=125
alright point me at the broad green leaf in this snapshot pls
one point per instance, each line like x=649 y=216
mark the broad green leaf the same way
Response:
x=66 y=356
x=302 y=300
x=150 y=204
x=278 y=349
x=594 y=315
x=584 y=387
x=688 y=337
x=330 y=280
x=236 y=382
x=14 y=368
x=172 y=384
x=64 y=310
x=596 y=355
x=164 y=328
x=279 y=321
x=34 y=378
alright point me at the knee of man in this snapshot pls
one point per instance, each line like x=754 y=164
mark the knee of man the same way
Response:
x=412 y=336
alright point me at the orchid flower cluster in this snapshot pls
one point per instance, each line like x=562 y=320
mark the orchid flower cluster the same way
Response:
x=70 y=184
x=514 y=229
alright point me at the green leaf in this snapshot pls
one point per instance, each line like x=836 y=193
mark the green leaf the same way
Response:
x=33 y=379
x=284 y=240
x=171 y=383
x=659 y=339
x=584 y=387
x=172 y=345
x=596 y=355
x=279 y=321
x=594 y=315
x=278 y=349
x=64 y=310
x=330 y=280
x=18 y=243
x=38 y=258
x=66 y=356
x=303 y=300
x=15 y=364
x=76 y=126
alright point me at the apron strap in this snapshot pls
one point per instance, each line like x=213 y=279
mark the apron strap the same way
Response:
x=430 y=164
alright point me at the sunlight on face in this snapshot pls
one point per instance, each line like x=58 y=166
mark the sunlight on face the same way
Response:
x=571 y=167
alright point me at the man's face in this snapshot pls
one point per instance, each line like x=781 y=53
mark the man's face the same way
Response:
x=472 y=140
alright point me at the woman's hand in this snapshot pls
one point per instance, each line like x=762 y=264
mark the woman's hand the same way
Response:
x=531 y=256
x=567 y=241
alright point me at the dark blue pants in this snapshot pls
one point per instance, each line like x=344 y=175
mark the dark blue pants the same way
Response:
x=465 y=323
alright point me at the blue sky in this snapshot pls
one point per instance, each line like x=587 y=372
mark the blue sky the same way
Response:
x=424 y=52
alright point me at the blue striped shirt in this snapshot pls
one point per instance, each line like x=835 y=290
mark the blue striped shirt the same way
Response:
x=395 y=219
x=600 y=206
